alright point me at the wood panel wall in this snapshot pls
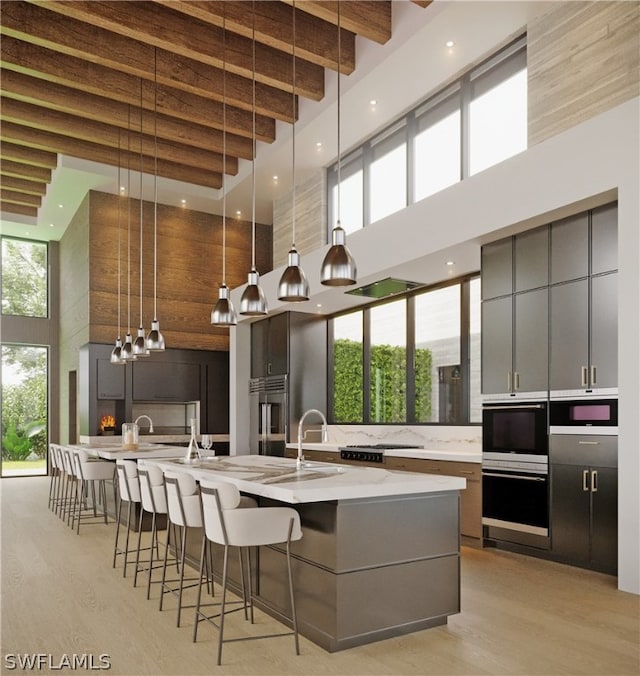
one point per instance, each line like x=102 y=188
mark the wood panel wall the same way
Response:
x=583 y=58
x=189 y=270
x=311 y=218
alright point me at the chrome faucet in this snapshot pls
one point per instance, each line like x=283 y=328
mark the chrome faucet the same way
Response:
x=149 y=419
x=325 y=437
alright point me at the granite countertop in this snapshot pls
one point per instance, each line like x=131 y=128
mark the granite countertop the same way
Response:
x=278 y=479
x=452 y=455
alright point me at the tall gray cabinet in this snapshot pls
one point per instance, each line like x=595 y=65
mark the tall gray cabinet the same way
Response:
x=515 y=310
x=584 y=291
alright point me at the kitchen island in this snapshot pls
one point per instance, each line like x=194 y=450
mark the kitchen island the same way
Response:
x=380 y=552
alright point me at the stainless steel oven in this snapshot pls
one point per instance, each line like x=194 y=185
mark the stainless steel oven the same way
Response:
x=515 y=473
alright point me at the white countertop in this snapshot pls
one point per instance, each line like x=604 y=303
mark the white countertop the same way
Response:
x=111 y=439
x=278 y=479
x=452 y=455
x=116 y=452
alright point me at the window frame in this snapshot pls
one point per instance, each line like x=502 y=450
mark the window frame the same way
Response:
x=465 y=354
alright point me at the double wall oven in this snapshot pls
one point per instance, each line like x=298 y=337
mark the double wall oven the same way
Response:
x=515 y=472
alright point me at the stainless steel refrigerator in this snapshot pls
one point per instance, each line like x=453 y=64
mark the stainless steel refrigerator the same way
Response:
x=268 y=416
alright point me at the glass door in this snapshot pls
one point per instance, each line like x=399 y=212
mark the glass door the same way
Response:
x=23 y=410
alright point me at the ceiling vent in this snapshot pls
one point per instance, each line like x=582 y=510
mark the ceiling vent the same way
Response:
x=385 y=288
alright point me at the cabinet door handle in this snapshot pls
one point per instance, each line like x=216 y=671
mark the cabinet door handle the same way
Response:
x=585 y=480
x=466 y=471
x=593 y=375
x=508 y=381
x=516 y=380
x=589 y=443
x=269 y=368
x=583 y=376
x=594 y=481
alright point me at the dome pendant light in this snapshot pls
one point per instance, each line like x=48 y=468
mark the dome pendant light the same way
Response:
x=338 y=266
x=223 y=313
x=253 y=302
x=293 y=286
x=155 y=340
x=115 y=353
x=140 y=343
x=127 y=348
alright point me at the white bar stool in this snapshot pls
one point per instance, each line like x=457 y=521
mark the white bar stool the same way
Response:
x=184 y=511
x=227 y=525
x=154 y=501
x=57 y=474
x=129 y=492
x=90 y=472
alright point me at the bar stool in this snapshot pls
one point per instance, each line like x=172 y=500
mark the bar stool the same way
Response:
x=56 y=477
x=227 y=525
x=184 y=511
x=129 y=492
x=88 y=473
x=71 y=485
x=58 y=454
x=154 y=501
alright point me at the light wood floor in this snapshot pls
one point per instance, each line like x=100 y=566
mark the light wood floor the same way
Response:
x=520 y=615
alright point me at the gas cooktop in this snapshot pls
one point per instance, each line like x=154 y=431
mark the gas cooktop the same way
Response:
x=369 y=452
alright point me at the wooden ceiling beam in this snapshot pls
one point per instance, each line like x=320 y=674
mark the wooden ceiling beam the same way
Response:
x=21 y=209
x=22 y=185
x=19 y=197
x=25 y=171
x=369 y=18
x=142 y=22
x=45 y=64
x=68 y=36
x=18 y=153
x=94 y=152
x=57 y=97
x=27 y=116
x=316 y=40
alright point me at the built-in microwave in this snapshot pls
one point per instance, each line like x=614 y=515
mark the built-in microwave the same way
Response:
x=516 y=429
x=579 y=416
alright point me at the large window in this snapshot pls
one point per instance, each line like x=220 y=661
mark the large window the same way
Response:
x=415 y=359
x=23 y=414
x=24 y=278
x=470 y=125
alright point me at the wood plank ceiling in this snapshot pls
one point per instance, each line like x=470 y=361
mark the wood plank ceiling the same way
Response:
x=114 y=82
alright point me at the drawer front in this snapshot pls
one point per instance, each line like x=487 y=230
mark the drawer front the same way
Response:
x=584 y=449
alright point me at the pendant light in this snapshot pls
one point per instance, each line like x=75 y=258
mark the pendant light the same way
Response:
x=338 y=266
x=253 y=302
x=293 y=286
x=140 y=343
x=127 y=348
x=115 y=353
x=155 y=340
x=223 y=313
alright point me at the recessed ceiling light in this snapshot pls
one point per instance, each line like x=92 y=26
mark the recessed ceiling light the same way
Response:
x=449 y=44
x=122 y=188
x=373 y=102
x=318 y=144
x=183 y=201
x=450 y=263
x=238 y=213
x=51 y=225
x=318 y=304
x=60 y=206
x=275 y=178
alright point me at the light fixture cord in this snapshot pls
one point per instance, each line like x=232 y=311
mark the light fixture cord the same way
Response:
x=293 y=137
x=338 y=91
x=129 y=226
x=155 y=183
x=119 y=228
x=224 y=146
x=253 y=145
x=141 y=204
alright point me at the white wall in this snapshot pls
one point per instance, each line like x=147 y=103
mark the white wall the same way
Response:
x=586 y=165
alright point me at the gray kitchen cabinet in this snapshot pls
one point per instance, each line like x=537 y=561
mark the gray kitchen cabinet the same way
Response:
x=515 y=343
x=584 y=500
x=270 y=346
x=110 y=380
x=497 y=268
x=165 y=381
x=570 y=248
x=531 y=259
x=584 y=330
x=604 y=239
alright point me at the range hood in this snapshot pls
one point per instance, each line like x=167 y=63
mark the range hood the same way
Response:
x=385 y=288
